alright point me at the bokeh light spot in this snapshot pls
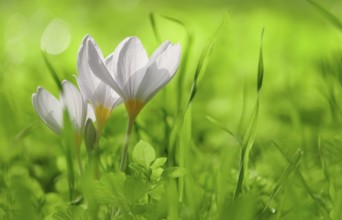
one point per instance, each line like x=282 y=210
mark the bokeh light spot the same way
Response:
x=56 y=37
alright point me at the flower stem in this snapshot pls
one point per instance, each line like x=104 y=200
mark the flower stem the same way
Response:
x=70 y=171
x=78 y=142
x=125 y=150
x=79 y=161
x=96 y=156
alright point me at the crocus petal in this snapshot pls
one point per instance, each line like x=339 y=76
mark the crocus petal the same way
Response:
x=169 y=59
x=132 y=64
x=97 y=65
x=87 y=81
x=132 y=58
x=90 y=113
x=75 y=104
x=159 y=51
x=152 y=82
x=49 y=109
x=160 y=72
x=107 y=97
x=91 y=87
x=112 y=60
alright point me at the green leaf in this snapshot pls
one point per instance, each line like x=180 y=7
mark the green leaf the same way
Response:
x=70 y=213
x=174 y=172
x=157 y=173
x=157 y=192
x=158 y=162
x=138 y=168
x=134 y=188
x=109 y=190
x=143 y=154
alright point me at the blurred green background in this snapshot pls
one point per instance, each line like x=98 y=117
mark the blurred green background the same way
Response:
x=299 y=104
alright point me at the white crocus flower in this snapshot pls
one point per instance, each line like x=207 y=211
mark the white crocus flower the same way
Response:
x=101 y=97
x=50 y=109
x=131 y=73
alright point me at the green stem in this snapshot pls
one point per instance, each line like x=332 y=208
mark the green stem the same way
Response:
x=96 y=155
x=79 y=160
x=125 y=150
x=71 y=177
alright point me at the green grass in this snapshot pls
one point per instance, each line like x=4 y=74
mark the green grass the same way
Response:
x=249 y=128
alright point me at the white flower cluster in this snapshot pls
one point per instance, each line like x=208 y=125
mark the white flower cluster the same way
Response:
x=127 y=75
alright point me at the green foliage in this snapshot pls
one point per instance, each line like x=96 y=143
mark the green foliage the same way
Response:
x=208 y=145
x=143 y=154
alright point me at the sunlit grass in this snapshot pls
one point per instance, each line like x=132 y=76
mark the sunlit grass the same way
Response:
x=198 y=131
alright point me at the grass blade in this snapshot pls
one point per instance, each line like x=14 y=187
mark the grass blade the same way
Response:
x=261 y=64
x=184 y=148
x=247 y=144
x=329 y=16
x=318 y=202
x=290 y=168
x=185 y=57
x=52 y=72
x=154 y=27
x=218 y=124
x=24 y=133
x=249 y=136
x=203 y=61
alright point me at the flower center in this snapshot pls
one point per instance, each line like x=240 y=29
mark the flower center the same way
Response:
x=133 y=107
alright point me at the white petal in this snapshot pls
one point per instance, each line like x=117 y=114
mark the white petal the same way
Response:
x=153 y=81
x=132 y=85
x=91 y=87
x=86 y=80
x=160 y=72
x=170 y=58
x=113 y=99
x=90 y=113
x=112 y=60
x=86 y=89
x=159 y=51
x=132 y=58
x=49 y=109
x=75 y=104
x=99 y=68
x=106 y=96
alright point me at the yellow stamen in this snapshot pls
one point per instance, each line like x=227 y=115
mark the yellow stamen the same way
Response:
x=133 y=107
x=101 y=113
